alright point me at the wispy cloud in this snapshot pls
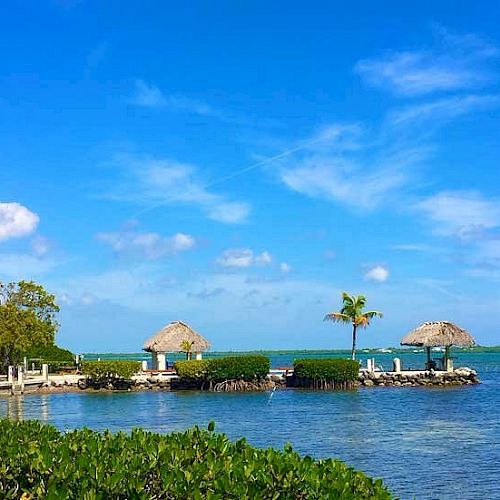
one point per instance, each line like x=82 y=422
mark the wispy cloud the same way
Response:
x=456 y=63
x=16 y=221
x=352 y=168
x=150 y=96
x=460 y=213
x=438 y=111
x=158 y=183
x=243 y=258
x=412 y=247
x=41 y=245
x=150 y=245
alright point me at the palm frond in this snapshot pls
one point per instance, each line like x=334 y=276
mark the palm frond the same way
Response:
x=337 y=317
x=373 y=314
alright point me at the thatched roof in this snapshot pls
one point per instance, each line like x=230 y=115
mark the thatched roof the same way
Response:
x=170 y=337
x=438 y=333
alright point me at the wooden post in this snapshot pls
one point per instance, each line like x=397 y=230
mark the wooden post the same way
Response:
x=45 y=372
x=428 y=358
x=448 y=365
x=10 y=375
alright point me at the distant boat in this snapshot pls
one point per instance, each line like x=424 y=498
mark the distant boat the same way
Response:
x=384 y=350
x=438 y=349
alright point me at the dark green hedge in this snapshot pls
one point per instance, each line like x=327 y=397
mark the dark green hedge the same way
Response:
x=38 y=462
x=247 y=368
x=329 y=373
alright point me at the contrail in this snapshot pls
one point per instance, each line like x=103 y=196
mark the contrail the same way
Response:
x=237 y=173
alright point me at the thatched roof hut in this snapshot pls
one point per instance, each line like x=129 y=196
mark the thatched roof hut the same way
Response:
x=171 y=337
x=438 y=334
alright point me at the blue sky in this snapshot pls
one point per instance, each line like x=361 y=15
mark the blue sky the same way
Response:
x=239 y=165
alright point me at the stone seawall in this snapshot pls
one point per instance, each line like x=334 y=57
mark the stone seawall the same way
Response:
x=69 y=383
x=460 y=376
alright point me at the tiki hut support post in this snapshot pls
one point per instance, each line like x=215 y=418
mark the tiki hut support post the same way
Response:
x=438 y=334
x=429 y=359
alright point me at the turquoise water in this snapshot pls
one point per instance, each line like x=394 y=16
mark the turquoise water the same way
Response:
x=424 y=442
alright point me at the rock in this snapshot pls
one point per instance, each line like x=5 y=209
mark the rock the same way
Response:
x=368 y=383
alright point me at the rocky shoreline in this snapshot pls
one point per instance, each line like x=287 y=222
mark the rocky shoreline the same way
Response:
x=460 y=376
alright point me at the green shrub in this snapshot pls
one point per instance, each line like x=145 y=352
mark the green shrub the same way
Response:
x=325 y=373
x=195 y=369
x=247 y=368
x=56 y=357
x=50 y=353
x=114 y=373
x=39 y=462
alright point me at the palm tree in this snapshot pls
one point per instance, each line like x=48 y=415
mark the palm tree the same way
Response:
x=186 y=346
x=352 y=312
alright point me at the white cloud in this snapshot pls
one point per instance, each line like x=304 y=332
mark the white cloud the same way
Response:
x=243 y=257
x=264 y=259
x=151 y=245
x=460 y=213
x=181 y=242
x=150 y=96
x=377 y=273
x=16 y=221
x=285 y=268
x=164 y=182
x=455 y=63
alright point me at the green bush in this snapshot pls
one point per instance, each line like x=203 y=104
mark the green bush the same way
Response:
x=56 y=357
x=48 y=353
x=325 y=373
x=114 y=373
x=195 y=369
x=39 y=462
x=247 y=368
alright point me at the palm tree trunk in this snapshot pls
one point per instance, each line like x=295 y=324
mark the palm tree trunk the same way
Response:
x=354 y=341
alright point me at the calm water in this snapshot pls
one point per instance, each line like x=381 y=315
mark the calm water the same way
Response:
x=425 y=443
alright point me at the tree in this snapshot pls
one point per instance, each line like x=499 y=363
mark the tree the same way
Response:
x=352 y=312
x=186 y=346
x=27 y=318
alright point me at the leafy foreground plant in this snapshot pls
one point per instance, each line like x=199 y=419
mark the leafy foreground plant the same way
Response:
x=39 y=462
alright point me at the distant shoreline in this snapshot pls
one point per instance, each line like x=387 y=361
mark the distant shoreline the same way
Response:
x=370 y=350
